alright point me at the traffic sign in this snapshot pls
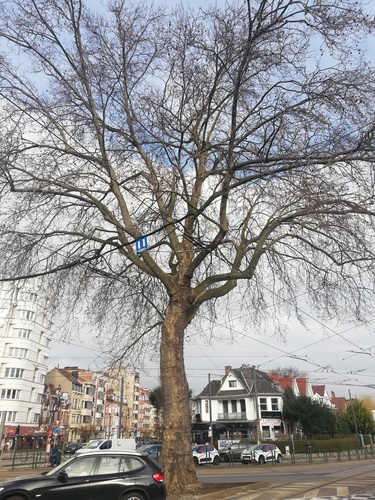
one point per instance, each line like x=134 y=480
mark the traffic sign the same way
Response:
x=56 y=429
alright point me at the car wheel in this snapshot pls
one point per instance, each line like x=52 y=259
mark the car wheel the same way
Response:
x=279 y=459
x=261 y=459
x=216 y=460
x=195 y=461
x=225 y=458
x=133 y=496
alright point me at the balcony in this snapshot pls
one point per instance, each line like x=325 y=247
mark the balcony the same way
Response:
x=232 y=416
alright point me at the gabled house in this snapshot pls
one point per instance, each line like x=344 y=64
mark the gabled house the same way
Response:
x=300 y=386
x=339 y=403
x=321 y=395
x=245 y=403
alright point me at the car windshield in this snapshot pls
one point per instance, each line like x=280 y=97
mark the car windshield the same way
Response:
x=93 y=444
x=196 y=448
x=253 y=447
x=144 y=449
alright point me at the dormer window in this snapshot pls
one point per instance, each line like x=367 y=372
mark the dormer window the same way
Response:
x=232 y=383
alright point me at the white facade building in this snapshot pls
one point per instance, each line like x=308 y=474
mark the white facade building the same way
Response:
x=25 y=335
x=244 y=404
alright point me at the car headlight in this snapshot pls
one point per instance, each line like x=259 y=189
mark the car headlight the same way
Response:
x=2 y=489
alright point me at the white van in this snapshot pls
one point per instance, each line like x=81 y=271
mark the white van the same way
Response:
x=108 y=444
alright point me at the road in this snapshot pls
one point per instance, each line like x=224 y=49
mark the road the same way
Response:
x=340 y=480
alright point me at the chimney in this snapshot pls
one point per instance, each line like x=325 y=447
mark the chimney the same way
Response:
x=227 y=368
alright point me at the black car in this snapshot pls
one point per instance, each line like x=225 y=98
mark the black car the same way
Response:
x=95 y=476
x=72 y=448
x=152 y=450
x=233 y=452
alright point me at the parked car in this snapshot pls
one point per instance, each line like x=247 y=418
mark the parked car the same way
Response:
x=233 y=452
x=205 y=453
x=147 y=442
x=72 y=448
x=97 y=475
x=108 y=444
x=261 y=453
x=152 y=450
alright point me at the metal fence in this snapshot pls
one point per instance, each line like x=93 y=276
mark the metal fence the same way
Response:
x=26 y=458
x=366 y=452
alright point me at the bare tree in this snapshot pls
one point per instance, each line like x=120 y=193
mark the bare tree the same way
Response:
x=239 y=140
x=290 y=371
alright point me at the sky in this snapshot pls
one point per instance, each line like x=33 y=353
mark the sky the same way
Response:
x=339 y=356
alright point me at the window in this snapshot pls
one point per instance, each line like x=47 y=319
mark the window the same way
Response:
x=26 y=314
x=39 y=398
x=232 y=383
x=109 y=465
x=23 y=333
x=14 y=372
x=47 y=342
x=11 y=416
x=206 y=405
x=263 y=404
x=10 y=394
x=81 y=467
x=18 y=352
x=41 y=379
x=36 y=418
x=275 y=404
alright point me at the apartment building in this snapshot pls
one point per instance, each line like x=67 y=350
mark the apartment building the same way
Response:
x=146 y=415
x=25 y=336
x=61 y=381
x=86 y=404
x=127 y=383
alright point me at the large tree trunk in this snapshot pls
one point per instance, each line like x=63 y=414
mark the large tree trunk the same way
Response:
x=180 y=474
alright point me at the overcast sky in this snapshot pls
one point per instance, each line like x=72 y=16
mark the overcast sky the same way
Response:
x=340 y=356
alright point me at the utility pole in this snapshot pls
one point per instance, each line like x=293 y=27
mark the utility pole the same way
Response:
x=2 y=442
x=354 y=420
x=210 y=408
x=256 y=403
x=119 y=429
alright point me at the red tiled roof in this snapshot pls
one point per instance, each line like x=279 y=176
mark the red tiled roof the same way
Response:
x=302 y=385
x=319 y=389
x=283 y=381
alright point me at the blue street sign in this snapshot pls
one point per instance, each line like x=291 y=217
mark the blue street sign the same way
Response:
x=56 y=429
x=141 y=245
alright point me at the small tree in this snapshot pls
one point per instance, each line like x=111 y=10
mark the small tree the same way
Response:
x=290 y=408
x=313 y=417
x=156 y=399
x=359 y=418
x=342 y=424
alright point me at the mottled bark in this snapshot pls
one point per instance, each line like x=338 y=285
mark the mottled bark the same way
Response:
x=177 y=458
